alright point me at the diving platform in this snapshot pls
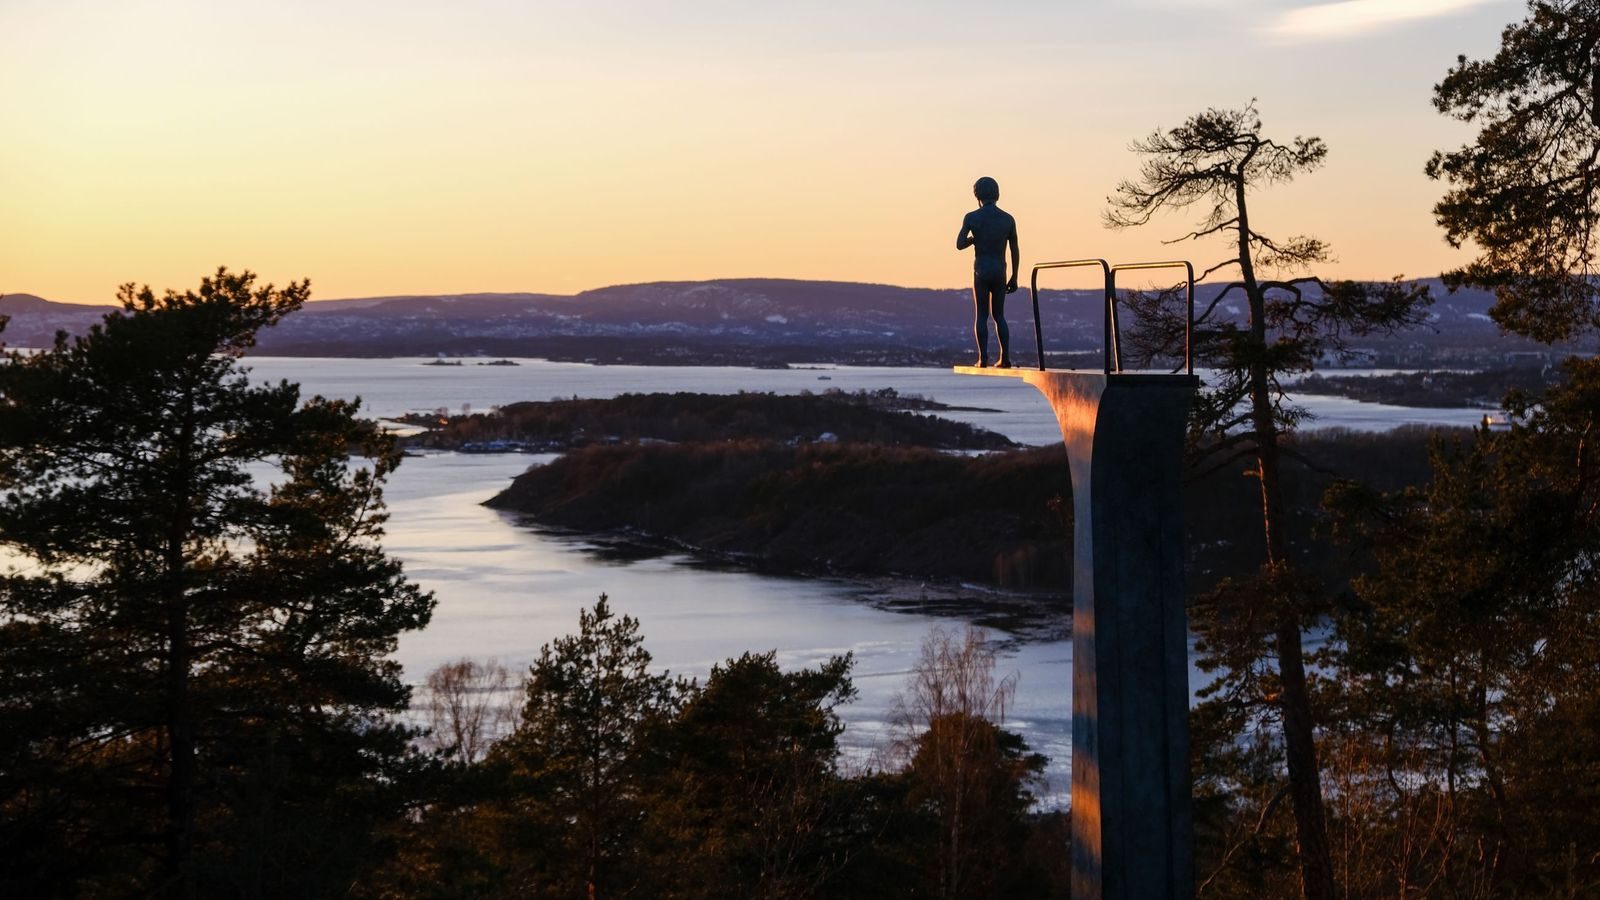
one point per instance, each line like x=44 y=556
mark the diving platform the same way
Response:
x=1132 y=823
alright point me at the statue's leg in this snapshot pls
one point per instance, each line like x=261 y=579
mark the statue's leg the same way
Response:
x=998 y=307
x=980 y=319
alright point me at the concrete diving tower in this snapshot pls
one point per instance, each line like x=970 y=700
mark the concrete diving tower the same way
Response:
x=1132 y=826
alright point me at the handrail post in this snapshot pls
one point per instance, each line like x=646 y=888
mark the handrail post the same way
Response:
x=1038 y=329
x=1188 y=326
x=1113 y=358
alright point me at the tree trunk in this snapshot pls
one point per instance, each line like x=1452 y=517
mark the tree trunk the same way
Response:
x=178 y=875
x=1305 y=779
x=1294 y=703
x=180 y=743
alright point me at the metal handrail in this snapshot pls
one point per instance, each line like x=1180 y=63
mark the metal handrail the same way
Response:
x=1188 y=327
x=1113 y=356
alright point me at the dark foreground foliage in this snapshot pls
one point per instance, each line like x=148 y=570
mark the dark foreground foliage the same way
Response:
x=196 y=694
x=623 y=782
x=1458 y=687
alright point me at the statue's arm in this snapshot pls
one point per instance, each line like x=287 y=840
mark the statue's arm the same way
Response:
x=1016 y=260
x=964 y=236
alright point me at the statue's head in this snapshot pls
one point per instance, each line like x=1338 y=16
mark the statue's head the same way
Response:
x=986 y=189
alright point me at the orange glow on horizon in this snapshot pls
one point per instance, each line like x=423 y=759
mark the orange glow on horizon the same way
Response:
x=427 y=150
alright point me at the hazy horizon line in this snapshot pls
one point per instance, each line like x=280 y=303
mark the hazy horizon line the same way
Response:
x=627 y=284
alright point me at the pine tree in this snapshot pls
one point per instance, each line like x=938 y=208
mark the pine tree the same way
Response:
x=1524 y=192
x=1474 y=656
x=196 y=622
x=751 y=799
x=1213 y=161
x=578 y=756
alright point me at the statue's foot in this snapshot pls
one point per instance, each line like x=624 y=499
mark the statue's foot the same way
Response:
x=1004 y=363
x=982 y=363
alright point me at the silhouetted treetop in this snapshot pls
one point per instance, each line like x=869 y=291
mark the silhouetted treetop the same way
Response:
x=1524 y=191
x=1214 y=159
x=194 y=661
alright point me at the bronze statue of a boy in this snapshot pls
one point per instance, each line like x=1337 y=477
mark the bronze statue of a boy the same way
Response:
x=988 y=229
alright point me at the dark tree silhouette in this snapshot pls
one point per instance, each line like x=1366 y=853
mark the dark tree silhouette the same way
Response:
x=749 y=798
x=1212 y=162
x=1524 y=191
x=592 y=705
x=1474 y=655
x=193 y=666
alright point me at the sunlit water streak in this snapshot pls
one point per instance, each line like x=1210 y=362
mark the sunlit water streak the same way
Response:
x=505 y=590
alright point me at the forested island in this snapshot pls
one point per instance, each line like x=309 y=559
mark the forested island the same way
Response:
x=745 y=479
x=1439 y=389
x=856 y=508
x=881 y=417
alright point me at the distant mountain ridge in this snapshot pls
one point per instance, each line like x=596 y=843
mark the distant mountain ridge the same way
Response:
x=743 y=321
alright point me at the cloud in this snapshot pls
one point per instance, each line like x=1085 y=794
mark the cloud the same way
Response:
x=1353 y=17
x=1198 y=5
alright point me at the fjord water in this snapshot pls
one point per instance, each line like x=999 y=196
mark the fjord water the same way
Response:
x=391 y=387
x=505 y=589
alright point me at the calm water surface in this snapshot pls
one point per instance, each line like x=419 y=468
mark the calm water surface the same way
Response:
x=504 y=590
x=394 y=386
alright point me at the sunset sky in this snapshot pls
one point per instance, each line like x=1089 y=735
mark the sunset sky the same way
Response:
x=395 y=146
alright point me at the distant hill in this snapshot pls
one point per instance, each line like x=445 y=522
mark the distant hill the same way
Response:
x=34 y=321
x=738 y=321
